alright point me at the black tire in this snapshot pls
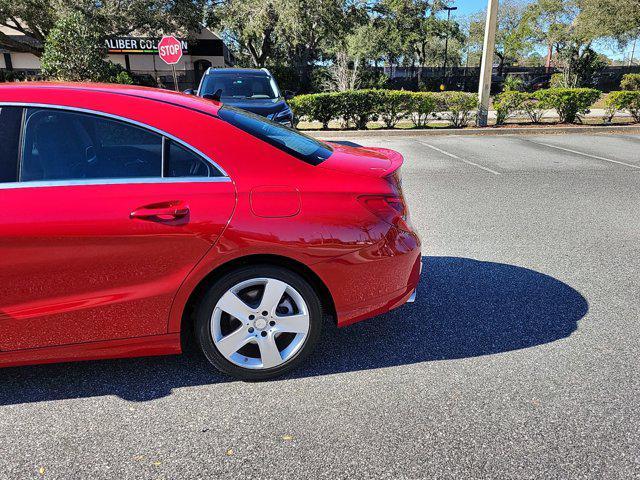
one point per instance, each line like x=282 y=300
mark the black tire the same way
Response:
x=205 y=309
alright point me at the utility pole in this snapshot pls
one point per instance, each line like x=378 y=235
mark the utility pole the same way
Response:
x=446 y=41
x=486 y=68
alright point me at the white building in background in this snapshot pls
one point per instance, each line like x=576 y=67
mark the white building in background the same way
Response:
x=139 y=55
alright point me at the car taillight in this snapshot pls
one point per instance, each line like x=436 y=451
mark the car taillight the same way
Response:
x=389 y=208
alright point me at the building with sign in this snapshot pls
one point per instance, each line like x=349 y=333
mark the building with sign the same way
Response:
x=139 y=55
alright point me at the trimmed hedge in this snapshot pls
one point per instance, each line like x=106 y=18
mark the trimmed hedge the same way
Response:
x=630 y=81
x=393 y=106
x=508 y=104
x=356 y=108
x=424 y=105
x=459 y=107
x=623 y=100
x=318 y=107
x=570 y=103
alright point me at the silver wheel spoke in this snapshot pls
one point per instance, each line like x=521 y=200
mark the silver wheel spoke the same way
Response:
x=293 y=323
x=273 y=292
x=269 y=352
x=235 y=307
x=233 y=342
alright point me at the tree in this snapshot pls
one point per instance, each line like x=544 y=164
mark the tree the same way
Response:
x=74 y=50
x=36 y=18
x=579 y=63
x=552 y=22
x=308 y=29
x=619 y=19
x=248 y=25
x=513 y=37
x=563 y=27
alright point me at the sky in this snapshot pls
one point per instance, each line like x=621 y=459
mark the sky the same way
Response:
x=465 y=7
x=468 y=7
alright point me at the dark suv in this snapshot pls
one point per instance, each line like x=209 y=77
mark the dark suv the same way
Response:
x=249 y=89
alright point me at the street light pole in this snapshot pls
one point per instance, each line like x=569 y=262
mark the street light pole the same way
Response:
x=486 y=68
x=446 y=40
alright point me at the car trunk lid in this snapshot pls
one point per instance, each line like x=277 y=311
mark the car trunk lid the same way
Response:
x=373 y=161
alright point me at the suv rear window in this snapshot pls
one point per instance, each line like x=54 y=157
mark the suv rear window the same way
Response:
x=243 y=86
x=294 y=143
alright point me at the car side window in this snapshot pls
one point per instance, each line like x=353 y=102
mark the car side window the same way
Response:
x=10 y=120
x=181 y=162
x=63 y=145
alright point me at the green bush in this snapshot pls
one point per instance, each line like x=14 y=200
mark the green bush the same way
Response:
x=74 y=51
x=317 y=107
x=459 y=107
x=393 y=106
x=509 y=103
x=358 y=107
x=423 y=104
x=624 y=100
x=513 y=84
x=557 y=80
x=123 y=78
x=570 y=103
x=630 y=81
x=534 y=108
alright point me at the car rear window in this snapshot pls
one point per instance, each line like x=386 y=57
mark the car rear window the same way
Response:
x=240 y=86
x=301 y=146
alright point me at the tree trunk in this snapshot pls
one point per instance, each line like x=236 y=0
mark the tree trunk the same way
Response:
x=549 y=55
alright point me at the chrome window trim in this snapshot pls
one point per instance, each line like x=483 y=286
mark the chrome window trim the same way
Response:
x=112 y=181
x=122 y=119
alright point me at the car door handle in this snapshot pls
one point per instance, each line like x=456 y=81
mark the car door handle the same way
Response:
x=166 y=211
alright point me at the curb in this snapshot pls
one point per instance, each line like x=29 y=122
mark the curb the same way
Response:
x=488 y=131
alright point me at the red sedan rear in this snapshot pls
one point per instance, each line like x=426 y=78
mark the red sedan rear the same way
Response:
x=133 y=218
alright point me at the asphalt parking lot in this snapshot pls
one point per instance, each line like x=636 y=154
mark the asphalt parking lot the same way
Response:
x=519 y=358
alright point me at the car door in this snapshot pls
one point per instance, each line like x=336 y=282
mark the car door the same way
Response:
x=100 y=222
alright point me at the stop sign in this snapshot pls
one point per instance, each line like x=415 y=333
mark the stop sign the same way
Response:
x=170 y=50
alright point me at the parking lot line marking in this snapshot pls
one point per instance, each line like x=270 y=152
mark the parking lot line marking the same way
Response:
x=585 y=154
x=458 y=158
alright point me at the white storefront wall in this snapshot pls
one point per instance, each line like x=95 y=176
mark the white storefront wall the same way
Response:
x=138 y=62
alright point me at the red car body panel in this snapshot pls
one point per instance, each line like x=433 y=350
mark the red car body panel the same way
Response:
x=83 y=280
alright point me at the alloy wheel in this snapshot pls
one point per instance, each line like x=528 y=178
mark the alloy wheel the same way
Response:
x=260 y=323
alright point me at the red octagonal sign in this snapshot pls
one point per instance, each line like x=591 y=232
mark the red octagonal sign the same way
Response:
x=170 y=50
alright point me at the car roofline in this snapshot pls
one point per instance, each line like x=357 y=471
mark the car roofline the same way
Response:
x=116 y=91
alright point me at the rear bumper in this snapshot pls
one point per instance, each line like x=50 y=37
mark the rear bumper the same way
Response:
x=374 y=280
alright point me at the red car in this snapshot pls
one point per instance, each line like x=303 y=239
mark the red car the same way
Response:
x=134 y=218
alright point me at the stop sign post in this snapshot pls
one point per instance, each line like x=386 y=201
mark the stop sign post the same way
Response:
x=170 y=51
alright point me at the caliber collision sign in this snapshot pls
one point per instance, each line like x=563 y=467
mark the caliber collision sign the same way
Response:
x=170 y=51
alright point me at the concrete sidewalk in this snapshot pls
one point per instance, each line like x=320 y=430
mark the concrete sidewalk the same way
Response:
x=553 y=114
x=492 y=130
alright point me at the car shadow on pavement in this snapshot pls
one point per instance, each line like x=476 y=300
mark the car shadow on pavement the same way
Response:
x=464 y=308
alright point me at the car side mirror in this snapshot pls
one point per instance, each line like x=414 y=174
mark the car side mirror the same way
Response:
x=189 y=91
x=288 y=94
